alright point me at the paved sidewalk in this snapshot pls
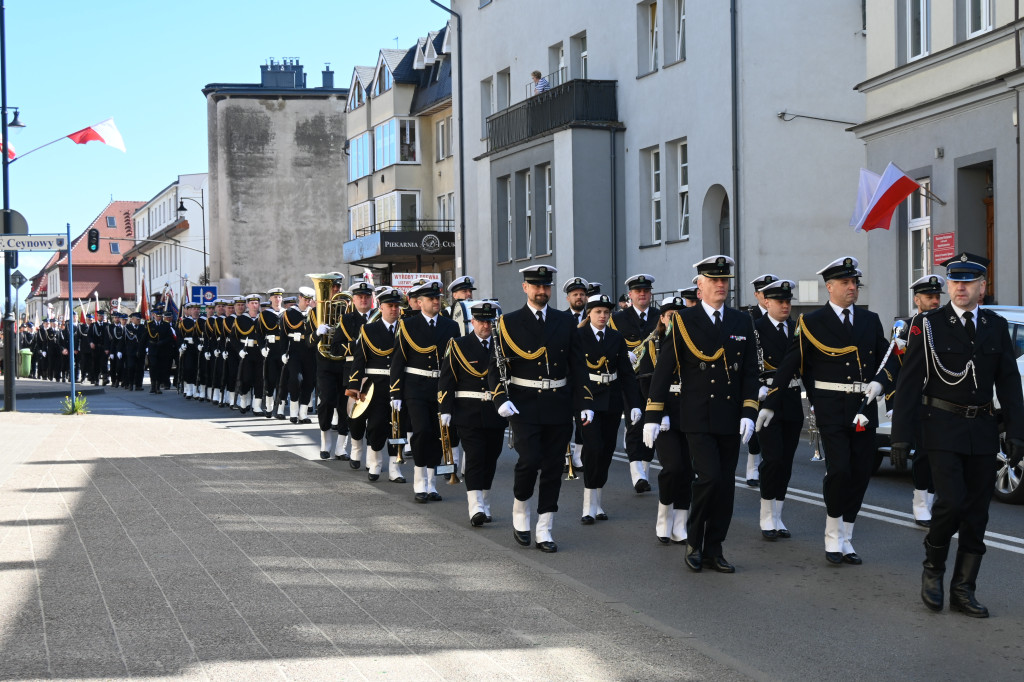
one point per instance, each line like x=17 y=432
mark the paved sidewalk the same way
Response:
x=27 y=389
x=137 y=545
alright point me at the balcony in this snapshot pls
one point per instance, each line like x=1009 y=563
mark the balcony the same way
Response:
x=571 y=103
x=407 y=225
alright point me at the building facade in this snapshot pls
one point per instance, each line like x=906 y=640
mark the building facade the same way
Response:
x=672 y=130
x=278 y=173
x=401 y=189
x=942 y=95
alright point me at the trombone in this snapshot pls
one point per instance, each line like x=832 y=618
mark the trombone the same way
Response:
x=447 y=457
x=396 y=434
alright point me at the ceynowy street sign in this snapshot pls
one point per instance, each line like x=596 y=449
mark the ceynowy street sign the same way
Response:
x=33 y=242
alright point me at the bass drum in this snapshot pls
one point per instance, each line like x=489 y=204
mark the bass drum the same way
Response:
x=462 y=313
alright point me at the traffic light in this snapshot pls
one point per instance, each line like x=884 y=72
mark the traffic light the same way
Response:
x=94 y=240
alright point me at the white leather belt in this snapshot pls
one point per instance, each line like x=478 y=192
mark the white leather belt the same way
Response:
x=543 y=384
x=475 y=395
x=793 y=383
x=189 y=339
x=297 y=336
x=272 y=339
x=378 y=371
x=432 y=373
x=675 y=388
x=249 y=342
x=856 y=387
x=604 y=378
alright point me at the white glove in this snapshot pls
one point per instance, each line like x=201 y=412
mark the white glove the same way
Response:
x=322 y=329
x=207 y=354
x=587 y=416
x=182 y=349
x=118 y=355
x=396 y=404
x=651 y=432
x=44 y=353
x=764 y=417
x=888 y=414
x=446 y=420
x=634 y=415
x=900 y=344
x=241 y=353
x=632 y=357
x=265 y=352
x=507 y=409
x=216 y=353
x=873 y=391
x=284 y=359
x=860 y=421
x=762 y=393
x=665 y=423
x=200 y=346
x=746 y=429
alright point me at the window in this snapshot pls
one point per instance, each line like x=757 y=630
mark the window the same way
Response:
x=648 y=36
x=408 y=150
x=528 y=213
x=549 y=214
x=655 y=196
x=451 y=207
x=503 y=218
x=442 y=208
x=395 y=142
x=486 y=105
x=919 y=230
x=443 y=138
x=504 y=90
x=918 y=20
x=979 y=17
x=115 y=247
x=360 y=220
x=680 y=29
x=397 y=211
x=652 y=36
x=357 y=98
x=583 y=56
x=383 y=82
x=359 y=157
x=684 y=192
x=111 y=221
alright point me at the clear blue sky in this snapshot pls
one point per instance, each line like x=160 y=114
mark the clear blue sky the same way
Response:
x=71 y=64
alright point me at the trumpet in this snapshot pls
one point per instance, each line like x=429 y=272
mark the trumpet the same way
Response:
x=396 y=434
x=814 y=437
x=568 y=457
x=447 y=457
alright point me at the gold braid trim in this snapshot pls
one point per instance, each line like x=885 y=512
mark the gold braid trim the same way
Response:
x=452 y=346
x=263 y=318
x=822 y=348
x=693 y=349
x=768 y=366
x=600 y=363
x=507 y=338
x=369 y=344
x=412 y=344
x=651 y=354
x=289 y=325
x=238 y=329
x=629 y=344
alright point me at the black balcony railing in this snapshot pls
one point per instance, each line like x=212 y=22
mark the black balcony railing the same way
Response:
x=575 y=101
x=408 y=225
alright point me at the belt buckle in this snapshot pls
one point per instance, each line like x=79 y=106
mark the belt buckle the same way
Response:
x=545 y=384
x=971 y=411
x=606 y=378
x=858 y=387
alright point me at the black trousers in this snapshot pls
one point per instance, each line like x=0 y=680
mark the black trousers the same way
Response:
x=849 y=458
x=273 y=373
x=251 y=375
x=778 y=441
x=675 y=482
x=714 y=458
x=541 y=449
x=963 y=491
x=426 y=431
x=635 y=448
x=98 y=364
x=302 y=363
x=378 y=418
x=481 y=448
x=921 y=472
x=189 y=365
x=330 y=391
x=598 y=448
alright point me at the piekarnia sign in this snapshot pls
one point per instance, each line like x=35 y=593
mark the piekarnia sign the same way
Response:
x=417 y=243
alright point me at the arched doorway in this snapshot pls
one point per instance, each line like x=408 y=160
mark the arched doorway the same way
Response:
x=716 y=223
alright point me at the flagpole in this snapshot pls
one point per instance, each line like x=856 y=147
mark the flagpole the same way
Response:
x=20 y=155
x=71 y=325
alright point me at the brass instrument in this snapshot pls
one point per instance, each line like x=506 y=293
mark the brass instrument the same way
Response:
x=329 y=309
x=396 y=434
x=572 y=470
x=447 y=457
x=653 y=336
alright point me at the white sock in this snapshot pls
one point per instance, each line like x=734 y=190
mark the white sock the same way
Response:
x=595 y=500
x=847 y=538
x=257 y=405
x=663 y=525
x=767 y=517
x=679 y=517
x=394 y=468
x=752 y=462
x=521 y=515
x=419 y=479
x=544 y=523
x=358 y=447
x=833 y=534
x=587 y=492
x=485 y=500
x=636 y=471
x=577 y=455
x=777 y=514
x=431 y=479
x=303 y=412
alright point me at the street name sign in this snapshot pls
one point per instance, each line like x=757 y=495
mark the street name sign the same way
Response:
x=33 y=242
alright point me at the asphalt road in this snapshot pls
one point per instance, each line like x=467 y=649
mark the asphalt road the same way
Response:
x=785 y=614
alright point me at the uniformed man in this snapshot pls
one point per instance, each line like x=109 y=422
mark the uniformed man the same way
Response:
x=190 y=337
x=248 y=338
x=955 y=357
x=272 y=350
x=97 y=346
x=689 y=295
x=134 y=353
x=371 y=367
x=713 y=349
x=230 y=351
x=779 y=440
x=300 y=358
x=171 y=354
x=636 y=323
x=25 y=339
x=532 y=390
x=214 y=345
x=464 y=399
x=577 y=291
x=461 y=289
x=157 y=347
x=757 y=311
x=415 y=370
x=604 y=386
x=836 y=349
x=346 y=338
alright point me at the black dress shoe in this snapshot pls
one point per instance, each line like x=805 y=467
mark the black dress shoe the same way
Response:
x=400 y=479
x=243 y=410
x=373 y=477
x=548 y=547
x=694 y=559
x=721 y=565
x=601 y=516
x=343 y=457
x=769 y=534
x=834 y=557
x=268 y=414
x=488 y=518
x=307 y=420
x=587 y=520
x=783 y=534
x=434 y=497
x=294 y=420
x=642 y=486
x=325 y=455
x=852 y=559
x=478 y=519
x=753 y=483
x=279 y=416
x=923 y=524
x=522 y=537
x=354 y=463
x=421 y=498
x=663 y=541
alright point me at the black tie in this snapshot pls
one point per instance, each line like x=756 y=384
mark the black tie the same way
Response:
x=366 y=317
x=969 y=325
x=643 y=318
x=718 y=321
x=577 y=316
x=782 y=329
x=540 y=316
x=484 y=342
x=600 y=337
x=391 y=329
x=431 y=323
x=846 y=320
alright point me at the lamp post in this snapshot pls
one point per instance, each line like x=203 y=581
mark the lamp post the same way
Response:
x=205 y=279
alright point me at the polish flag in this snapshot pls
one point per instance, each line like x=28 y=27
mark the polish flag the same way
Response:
x=878 y=196
x=144 y=304
x=105 y=132
x=10 y=149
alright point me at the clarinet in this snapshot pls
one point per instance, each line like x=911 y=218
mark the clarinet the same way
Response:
x=502 y=362
x=762 y=374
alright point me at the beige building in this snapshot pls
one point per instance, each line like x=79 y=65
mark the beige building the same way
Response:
x=401 y=188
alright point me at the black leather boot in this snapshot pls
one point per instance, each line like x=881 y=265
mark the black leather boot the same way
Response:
x=963 y=584
x=931 y=579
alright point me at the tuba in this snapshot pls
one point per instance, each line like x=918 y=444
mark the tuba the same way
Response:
x=329 y=310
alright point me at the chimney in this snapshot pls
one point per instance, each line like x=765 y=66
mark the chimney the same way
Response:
x=328 y=77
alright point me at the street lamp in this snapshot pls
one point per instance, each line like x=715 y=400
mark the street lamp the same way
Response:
x=205 y=279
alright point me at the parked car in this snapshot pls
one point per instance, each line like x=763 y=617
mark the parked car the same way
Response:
x=1009 y=480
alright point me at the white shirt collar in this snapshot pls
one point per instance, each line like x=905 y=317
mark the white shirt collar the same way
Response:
x=535 y=309
x=839 y=311
x=645 y=311
x=960 y=311
x=711 y=311
x=428 y=318
x=775 y=323
x=596 y=330
x=482 y=340
x=764 y=311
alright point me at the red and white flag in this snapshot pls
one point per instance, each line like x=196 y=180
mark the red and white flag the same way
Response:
x=10 y=149
x=144 y=299
x=879 y=195
x=105 y=132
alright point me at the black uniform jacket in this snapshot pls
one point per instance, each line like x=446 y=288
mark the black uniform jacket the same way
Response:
x=419 y=347
x=627 y=323
x=273 y=333
x=921 y=378
x=373 y=350
x=717 y=372
x=536 y=352
x=774 y=346
x=294 y=328
x=247 y=334
x=464 y=368
x=598 y=358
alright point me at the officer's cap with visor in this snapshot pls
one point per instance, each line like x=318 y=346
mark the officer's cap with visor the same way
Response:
x=841 y=268
x=363 y=287
x=762 y=281
x=780 y=290
x=966 y=267
x=431 y=289
x=464 y=283
x=389 y=295
x=574 y=283
x=540 y=275
x=672 y=303
x=641 y=281
x=485 y=311
x=600 y=301
x=929 y=284
x=716 y=267
x=689 y=293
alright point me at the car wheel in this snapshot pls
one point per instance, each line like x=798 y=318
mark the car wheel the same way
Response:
x=1009 y=480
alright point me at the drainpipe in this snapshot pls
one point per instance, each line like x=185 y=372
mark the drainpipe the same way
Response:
x=615 y=229
x=735 y=146
x=462 y=140
x=1020 y=243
